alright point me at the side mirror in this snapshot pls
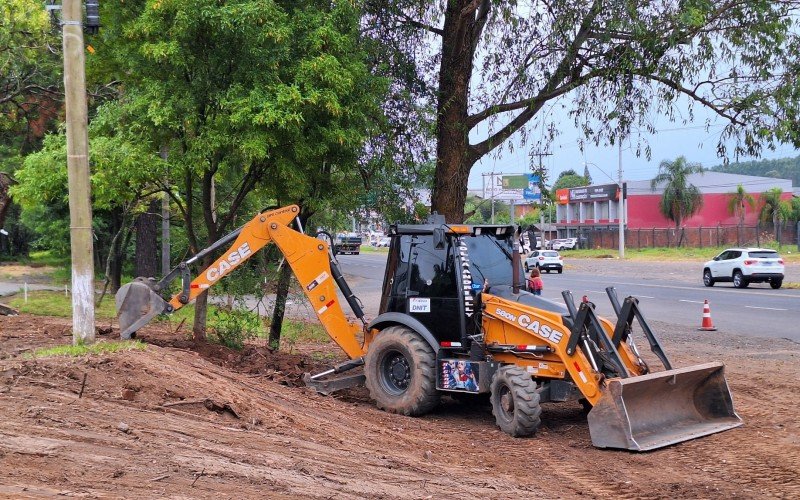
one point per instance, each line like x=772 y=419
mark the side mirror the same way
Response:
x=438 y=238
x=716 y=258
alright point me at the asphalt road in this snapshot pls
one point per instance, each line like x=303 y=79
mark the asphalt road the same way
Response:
x=756 y=311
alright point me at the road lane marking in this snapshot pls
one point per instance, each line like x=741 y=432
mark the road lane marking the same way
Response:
x=644 y=297
x=768 y=308
x=692 y=301
x=752 y=291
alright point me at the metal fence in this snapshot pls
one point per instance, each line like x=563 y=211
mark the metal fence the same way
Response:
x=697 y=237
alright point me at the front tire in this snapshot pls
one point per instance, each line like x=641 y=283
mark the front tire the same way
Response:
x=515 y=402
x=775 y=284
x=401 y=372
x=739 y=280
x=708 y=280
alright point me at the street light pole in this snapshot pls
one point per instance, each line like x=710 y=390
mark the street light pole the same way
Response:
x=621 y=209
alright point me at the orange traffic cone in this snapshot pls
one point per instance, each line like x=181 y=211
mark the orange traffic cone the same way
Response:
x=707 y=324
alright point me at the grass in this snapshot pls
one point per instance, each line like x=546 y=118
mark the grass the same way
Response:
x=299 y=331
x=48 y=303
x=87 y=349
x=788 y=252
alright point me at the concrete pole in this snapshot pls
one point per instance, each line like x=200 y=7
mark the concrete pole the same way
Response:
x=80 y=207
x=621 y=215
x=165 y=247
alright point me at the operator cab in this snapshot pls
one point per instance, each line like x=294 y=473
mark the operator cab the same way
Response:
x=436 y=271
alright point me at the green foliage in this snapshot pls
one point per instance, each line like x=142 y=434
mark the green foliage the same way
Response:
x=738 y=202
x=232 y=328
x=680 y=200
x=781 y=168
x=108 y=347
x=570 y=181
x=30 y=76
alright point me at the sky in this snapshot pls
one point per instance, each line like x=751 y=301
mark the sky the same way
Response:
x=692 y=140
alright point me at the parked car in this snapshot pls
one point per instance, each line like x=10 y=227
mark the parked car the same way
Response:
x=545 y=260
x=743 y=266
x=383 y=242
x=565 y=244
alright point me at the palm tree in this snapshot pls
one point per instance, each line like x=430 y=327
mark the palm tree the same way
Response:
x=776 y=210
x=680 y=200
x=737 y=205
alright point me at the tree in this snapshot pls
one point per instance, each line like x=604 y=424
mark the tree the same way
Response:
x=775 y=210
x=680 y=199
x=587 y=175
x=492 y=67
x=737 y=205
x=252 y=98
x=569 y=181
x=30 y=73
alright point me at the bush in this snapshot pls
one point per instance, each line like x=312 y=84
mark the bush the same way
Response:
x=232 y=328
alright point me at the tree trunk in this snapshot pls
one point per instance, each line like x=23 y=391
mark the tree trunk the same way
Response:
x=201 y=307
x=284 y=279
x=5 y=200
x=147 y=226
x=454 y=159
x=282 y=292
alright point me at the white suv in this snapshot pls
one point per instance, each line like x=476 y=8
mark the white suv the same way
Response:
x=565 y=244
x=545 y=260
x=743 y=266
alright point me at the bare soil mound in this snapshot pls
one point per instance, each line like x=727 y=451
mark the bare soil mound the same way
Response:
x=199 y=420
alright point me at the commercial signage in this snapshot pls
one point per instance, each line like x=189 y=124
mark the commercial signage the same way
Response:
x=603 y=192
x=562 y=196
x=514 y=187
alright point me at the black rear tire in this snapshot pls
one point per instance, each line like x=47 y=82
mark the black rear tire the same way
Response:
x=401 y=372
x=775 y=284
x=739 y=280
x=515 y=401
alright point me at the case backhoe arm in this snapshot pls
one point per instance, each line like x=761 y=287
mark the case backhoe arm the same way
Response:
x=308 y=257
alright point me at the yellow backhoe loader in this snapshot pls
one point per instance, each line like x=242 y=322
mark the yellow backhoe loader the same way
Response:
x=455 y=319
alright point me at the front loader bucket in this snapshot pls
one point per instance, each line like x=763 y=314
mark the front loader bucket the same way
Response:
x=659 y=409
x=137 y=304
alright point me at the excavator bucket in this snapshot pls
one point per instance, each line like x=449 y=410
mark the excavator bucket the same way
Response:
x=137 y=304
x=659 y=409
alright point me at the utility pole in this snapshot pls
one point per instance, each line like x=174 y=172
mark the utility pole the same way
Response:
x=621 y=208
x=80 y=208
x=541 y=196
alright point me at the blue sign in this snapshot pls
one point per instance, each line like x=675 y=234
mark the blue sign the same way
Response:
x=532 y=192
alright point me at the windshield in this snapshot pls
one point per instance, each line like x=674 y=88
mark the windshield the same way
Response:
x=489 y=259
x=764 y=255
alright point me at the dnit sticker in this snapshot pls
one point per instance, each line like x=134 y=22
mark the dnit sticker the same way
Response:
x=319 y=279
x=419 y=305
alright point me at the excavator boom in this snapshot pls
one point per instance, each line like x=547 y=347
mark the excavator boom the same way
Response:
x=139 y=301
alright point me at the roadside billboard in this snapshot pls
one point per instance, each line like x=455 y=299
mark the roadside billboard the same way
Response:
x=604 y=192
x=514 y=187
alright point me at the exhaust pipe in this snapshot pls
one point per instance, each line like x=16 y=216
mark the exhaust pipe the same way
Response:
x=136 y=305
x=659 y=409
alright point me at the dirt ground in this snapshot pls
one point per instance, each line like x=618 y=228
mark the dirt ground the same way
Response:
x=185 y=420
